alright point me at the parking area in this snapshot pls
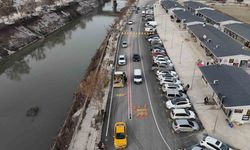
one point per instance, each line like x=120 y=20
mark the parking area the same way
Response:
x=185 y=53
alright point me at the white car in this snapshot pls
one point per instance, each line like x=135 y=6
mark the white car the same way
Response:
x=158 y=51
x=213 y=144
x=170 y=80
x=149 y=29
x=154 y=38
x=162 y=60
x=167 y=87
x=122 y=60
x=165 y=76
x=163 y=72
x=159 y=56
x=178 y=103
x=124 y=44
x=182 y=114
x=130 y=22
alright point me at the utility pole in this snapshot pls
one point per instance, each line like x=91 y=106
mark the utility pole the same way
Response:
x=193 y=76
x=181 y=50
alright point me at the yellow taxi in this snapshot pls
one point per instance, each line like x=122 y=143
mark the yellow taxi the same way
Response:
x=120 y=136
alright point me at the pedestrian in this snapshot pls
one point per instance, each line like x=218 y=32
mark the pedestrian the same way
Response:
x=100 y=145
x=131 y=29
x=186 y=88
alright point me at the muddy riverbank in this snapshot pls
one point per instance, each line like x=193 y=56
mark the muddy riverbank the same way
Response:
x=15 y=37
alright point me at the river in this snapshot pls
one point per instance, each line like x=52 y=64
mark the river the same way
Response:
x=47 y=76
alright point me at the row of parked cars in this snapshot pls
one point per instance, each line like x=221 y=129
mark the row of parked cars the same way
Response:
x=177 y=101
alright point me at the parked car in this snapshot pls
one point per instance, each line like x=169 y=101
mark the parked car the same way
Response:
x=184 y=125
x=149 y=29
x=182 y=114
x=136 y=57
x=120 y=135
x=165 y=76
x=171 y=94
x=197 y=147
x=168 y=87
x=156 y=67
x=178 y=103
x=155 y=42
x=153 y=38
x=169 y=80
x=160 y=57
x=122 y=60
x=157 y=46
x=213 y=144
x=165 y=71
x=124 y=44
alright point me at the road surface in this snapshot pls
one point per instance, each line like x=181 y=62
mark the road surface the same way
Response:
x=142 y=106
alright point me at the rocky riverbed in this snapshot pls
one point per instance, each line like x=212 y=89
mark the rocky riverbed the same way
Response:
x=28 y=30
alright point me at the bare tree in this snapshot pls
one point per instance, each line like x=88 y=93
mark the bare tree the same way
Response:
x=6 y=8
x=28 y=7
x=48 y=2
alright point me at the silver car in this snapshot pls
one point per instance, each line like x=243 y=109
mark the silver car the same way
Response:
x=184 y=125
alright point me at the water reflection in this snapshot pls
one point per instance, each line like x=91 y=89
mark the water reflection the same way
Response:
x=38 y=54
x=18 y=69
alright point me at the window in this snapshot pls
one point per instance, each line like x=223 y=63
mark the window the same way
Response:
x=214 y=147
x=238 y=110
x=231 y=60
x=248 y=112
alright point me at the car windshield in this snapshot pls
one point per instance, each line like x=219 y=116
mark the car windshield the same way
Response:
x=137 y=77
x=124 y=43
x=224 y=147
x=191 y=123
x=121 y=58
x=187 y=112
x=120 y=135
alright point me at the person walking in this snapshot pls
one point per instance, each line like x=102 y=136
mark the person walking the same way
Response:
x=186 y=88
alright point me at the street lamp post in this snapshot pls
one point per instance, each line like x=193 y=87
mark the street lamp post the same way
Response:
x=193 y=76
x=181 y=50
x=217 y=116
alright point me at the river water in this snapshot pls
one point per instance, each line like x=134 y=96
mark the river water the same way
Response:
x=47 y=76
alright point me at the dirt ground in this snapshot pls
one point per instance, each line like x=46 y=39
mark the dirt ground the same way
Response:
x=239 y=12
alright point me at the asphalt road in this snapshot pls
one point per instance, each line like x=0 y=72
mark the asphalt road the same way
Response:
x=142 y=106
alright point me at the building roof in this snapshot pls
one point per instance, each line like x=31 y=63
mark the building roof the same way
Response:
x=170 y=4
x=215 y=15
x=188 y=16
x=219 y=44
x=194 y=5
x=241 y=29
x=233 y=83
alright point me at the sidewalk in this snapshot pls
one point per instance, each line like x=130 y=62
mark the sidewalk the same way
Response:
x=184 y=52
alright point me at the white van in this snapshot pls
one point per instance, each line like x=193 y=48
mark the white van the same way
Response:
x=137 y=76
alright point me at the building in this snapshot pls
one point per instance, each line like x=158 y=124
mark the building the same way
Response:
x=240 y=32
x=219 y=46
x=193 y=6
x=214 y=17
x=186 y=18
x=229 y=87
x=170 y=4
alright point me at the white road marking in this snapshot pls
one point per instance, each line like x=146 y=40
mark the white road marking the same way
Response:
x=149 y=97
x=112 y=90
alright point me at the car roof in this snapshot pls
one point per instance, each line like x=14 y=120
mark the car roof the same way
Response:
x=182 y=121
x=179 y=111
x=121 y=55
x=213 y=141
x=120 y=127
